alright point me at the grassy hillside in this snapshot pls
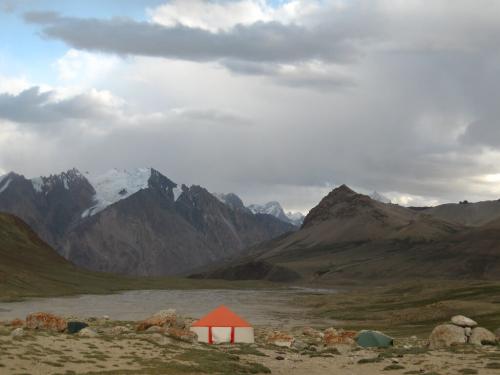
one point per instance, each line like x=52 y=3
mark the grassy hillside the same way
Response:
x=30 y=268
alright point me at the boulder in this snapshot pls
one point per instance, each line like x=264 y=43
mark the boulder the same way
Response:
x=311 y=332
x=46 y=321
x=463 y=321
x=163 y=318
x=182 y=334
x=88 y=332
x=155 y=329
x=279 y=338
x=497 y=333
x=16 y=323
x=18 y=332
x=481 y=335
x=445 y=335
x=159 y=339
x=333 y=337
x=299 y=345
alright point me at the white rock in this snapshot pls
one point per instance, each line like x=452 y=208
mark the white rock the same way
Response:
x=88 y=332
x=18 y=332
x=468 y=331
x=463 y=321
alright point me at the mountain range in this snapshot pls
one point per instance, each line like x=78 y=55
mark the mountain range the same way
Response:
x=350 y=236
x=136 y=222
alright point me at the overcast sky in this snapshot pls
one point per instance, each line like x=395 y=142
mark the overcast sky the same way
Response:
x=273 y=100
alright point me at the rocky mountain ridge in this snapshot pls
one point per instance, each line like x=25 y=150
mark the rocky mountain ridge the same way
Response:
x=133 y=222
x=350 y=236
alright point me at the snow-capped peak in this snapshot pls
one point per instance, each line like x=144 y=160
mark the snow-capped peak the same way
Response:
x=296 y=218
x=115 y=185
x=270 y=208
x=274 y=208
x=44 y=184
x=379 y=197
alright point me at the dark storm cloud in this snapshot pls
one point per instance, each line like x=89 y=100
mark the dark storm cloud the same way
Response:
x=419 y=115
x=259 y=42
x=32 y=106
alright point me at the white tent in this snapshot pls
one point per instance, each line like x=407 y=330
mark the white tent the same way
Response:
x=222 y=325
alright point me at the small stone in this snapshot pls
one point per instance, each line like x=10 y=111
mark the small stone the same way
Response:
x=88 y=332
x=105 y=317
x=119 y=330
x=18 y=332
x=299 y=345
x=480 y=335
x=463 y=321
x=468 y=331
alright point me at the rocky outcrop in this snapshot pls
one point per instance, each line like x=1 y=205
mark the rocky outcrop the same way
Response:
x=462 y=330
x=143 y=229
x=334 y=337
x=181 y=334
x=162 y=319
x=446 y=335
x=46 y=321
x=279 y=338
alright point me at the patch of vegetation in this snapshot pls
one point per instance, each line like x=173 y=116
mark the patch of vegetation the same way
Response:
x=370 y=360
x=243 y=349
x=467 y=371
x=493 y=365
x=393 y=367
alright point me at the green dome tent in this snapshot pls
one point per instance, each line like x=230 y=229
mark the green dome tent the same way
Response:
x=370 y=339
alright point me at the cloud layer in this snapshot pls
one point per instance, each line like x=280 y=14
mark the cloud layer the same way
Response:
x=398 y=96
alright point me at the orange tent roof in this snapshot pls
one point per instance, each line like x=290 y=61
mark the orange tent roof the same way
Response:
x=221 y=317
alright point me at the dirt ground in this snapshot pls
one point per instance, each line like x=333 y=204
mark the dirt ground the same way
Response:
x=39 y=352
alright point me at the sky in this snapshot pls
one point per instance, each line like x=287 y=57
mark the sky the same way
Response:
x=272 y=100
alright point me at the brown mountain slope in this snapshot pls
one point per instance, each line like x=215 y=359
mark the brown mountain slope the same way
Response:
x=29 y=267
x=470 y=214
x=349 y=237
x=345 y=216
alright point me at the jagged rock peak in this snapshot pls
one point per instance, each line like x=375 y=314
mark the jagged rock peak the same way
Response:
x=232 y=200
x=341 y=201
x=65 y=179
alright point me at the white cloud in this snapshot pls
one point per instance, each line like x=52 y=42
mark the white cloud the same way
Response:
x=219 y=15
x=13 y=85
x=84 y=68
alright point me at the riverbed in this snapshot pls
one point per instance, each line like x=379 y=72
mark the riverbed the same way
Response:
x=269 y=307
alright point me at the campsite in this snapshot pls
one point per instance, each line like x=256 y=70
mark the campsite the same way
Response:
x=233 y=187
x=291 y=335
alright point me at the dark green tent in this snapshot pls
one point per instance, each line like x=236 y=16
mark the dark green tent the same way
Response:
x=370 y=339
